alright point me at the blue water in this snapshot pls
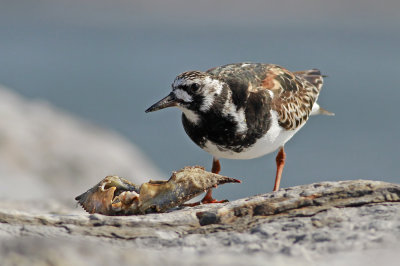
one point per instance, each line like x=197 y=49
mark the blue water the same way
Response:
x=110 y=73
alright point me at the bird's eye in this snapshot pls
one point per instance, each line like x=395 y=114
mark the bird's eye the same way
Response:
x=194 y=87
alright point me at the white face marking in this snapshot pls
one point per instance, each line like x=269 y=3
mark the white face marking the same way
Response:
x=190 y=115
x=208 y=100
x=209 y=89
x=183 y=95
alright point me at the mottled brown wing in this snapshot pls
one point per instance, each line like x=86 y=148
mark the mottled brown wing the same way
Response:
x=294 y=94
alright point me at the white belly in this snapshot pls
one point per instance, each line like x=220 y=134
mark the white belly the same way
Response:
x=276 y=137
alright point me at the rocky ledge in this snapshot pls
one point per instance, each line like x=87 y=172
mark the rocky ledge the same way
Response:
x=332 y=223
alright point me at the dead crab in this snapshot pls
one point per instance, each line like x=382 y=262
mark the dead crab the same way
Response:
x=117 y=196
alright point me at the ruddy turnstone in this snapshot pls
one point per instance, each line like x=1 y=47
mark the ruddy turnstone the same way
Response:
x=244 y=110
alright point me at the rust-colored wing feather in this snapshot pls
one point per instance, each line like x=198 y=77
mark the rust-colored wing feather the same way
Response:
x=294 y=94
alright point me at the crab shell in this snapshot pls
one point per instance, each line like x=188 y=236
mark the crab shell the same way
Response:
x=117 y=196
x=100 y=198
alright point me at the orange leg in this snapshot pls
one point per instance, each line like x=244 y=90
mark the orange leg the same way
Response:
x=280 y=163
x=216 y=168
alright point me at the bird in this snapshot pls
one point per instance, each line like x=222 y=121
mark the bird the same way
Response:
x=244 y=110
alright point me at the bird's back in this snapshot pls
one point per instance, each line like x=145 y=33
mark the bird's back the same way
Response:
x=249 y=74
x=293 y=94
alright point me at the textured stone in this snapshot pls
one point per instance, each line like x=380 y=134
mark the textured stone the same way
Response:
x=330 y=223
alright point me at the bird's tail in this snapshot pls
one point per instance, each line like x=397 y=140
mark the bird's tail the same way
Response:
x=313 y=76
x=318 y=110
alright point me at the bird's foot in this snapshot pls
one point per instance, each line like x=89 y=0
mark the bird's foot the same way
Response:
x=208 y=200
x=214 y=201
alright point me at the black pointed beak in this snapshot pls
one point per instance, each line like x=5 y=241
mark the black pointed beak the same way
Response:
x=168 y=101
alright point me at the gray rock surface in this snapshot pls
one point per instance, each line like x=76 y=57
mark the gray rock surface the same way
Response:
x=331 y=223
x=44 y=150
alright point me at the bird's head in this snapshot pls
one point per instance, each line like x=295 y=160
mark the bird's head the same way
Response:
x=193 y=92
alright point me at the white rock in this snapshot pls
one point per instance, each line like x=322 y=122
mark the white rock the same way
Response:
x=47 y=152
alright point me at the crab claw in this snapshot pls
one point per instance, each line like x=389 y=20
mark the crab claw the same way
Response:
x=101 y=197
x=117 y=196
